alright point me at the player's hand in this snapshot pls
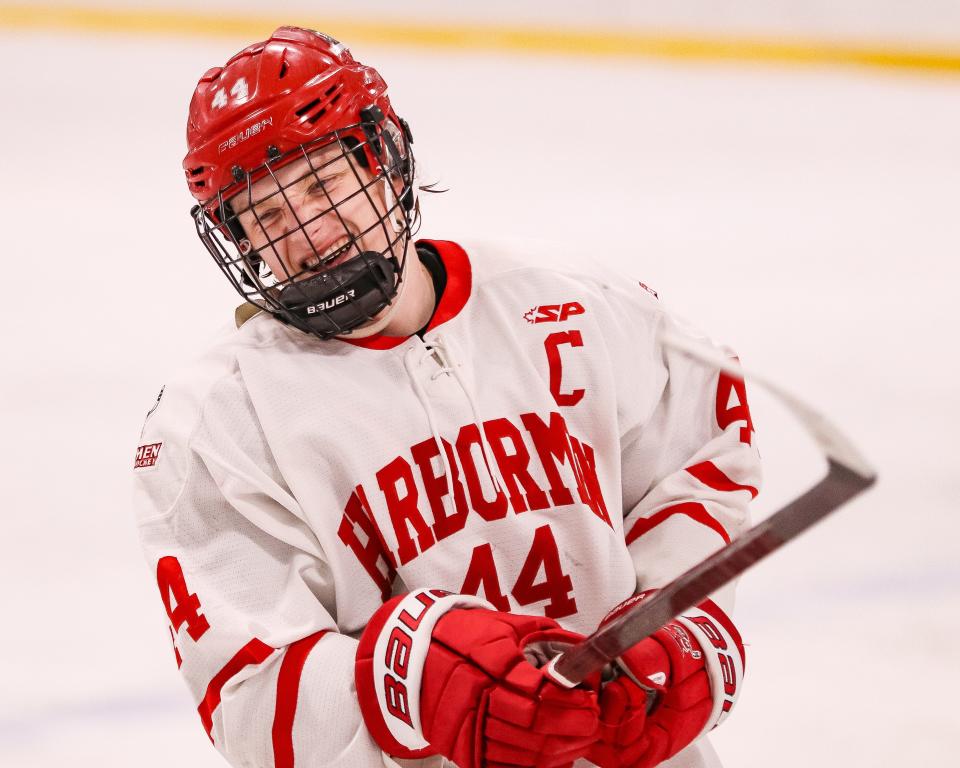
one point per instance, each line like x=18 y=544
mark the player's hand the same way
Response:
x=668 y=689
x=440 y=673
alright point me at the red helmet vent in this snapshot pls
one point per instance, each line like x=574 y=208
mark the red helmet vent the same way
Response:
x=316 y=109
x=193 y=181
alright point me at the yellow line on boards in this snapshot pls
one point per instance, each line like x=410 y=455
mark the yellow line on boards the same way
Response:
x=565 y=42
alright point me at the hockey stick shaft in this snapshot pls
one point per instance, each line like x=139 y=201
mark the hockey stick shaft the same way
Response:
x=848 y=474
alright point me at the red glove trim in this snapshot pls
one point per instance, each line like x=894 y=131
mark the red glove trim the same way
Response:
x=723 y=654
x=389 y=667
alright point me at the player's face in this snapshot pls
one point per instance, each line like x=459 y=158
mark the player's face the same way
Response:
x=314 y=214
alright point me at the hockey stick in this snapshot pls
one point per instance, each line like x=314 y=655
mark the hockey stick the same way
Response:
x=848 y=474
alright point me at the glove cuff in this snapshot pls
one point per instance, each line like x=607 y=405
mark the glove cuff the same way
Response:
x=389 y=666
x=723 y=655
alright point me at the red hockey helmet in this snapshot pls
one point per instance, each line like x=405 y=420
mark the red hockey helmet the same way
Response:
x=281 y=101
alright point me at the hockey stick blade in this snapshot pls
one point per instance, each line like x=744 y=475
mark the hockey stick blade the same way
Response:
x=848 y=474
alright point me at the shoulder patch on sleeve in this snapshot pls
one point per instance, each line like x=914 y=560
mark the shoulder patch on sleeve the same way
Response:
x=147 y=456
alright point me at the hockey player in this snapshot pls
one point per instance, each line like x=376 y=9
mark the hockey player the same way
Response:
x=378 y=506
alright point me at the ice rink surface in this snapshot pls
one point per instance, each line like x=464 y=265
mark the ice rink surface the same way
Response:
x=808 y=217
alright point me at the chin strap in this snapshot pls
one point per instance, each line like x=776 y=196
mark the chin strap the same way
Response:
x=343 y=298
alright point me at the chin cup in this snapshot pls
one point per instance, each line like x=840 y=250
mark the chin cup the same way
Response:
x=343 y=298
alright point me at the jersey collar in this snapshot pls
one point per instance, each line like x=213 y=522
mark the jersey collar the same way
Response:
x=459 y=283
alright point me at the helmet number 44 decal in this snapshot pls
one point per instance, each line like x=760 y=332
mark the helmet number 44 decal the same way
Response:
x=239 y=90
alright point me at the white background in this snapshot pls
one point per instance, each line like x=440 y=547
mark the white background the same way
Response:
x=808 y=217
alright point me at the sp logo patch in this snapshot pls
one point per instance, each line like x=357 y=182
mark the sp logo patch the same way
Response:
x=553 y=313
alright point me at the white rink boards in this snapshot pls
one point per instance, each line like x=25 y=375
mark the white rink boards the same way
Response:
x=805 y=216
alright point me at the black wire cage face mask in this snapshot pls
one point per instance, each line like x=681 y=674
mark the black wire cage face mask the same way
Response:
x=342 y=287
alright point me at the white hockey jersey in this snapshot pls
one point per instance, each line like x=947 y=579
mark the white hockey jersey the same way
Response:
x=538 y=447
